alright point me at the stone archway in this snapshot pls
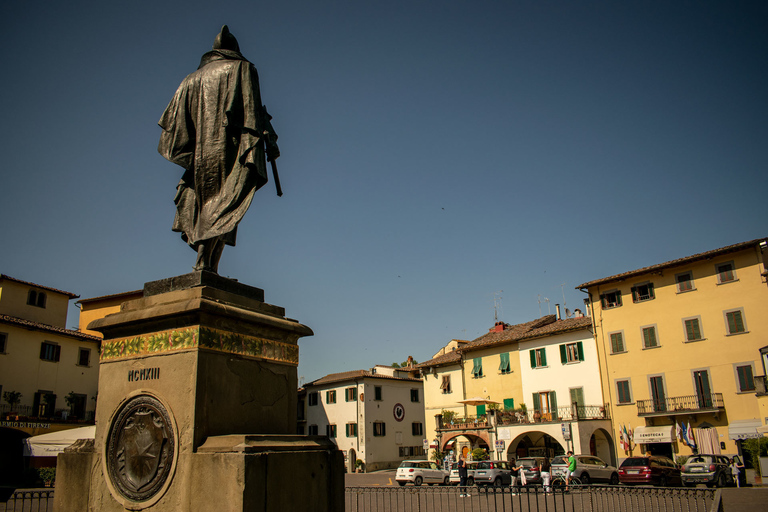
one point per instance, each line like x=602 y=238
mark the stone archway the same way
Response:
x=534 y=443
x=476 y=440
x=601 y=445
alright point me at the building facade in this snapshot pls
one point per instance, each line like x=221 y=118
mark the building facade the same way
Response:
x=679 y=345
x=530 y=389
x=48 y=373
x=375 y=416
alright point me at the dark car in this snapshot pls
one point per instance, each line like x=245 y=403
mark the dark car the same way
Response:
x=712 y=470
x=532 y=468
x=654 y=470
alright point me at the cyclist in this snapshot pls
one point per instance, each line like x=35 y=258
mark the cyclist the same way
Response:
x=570 y=470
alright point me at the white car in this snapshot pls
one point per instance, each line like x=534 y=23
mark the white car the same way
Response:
x=421 y=471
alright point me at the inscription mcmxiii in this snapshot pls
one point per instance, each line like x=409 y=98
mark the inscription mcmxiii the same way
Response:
x=143 y=374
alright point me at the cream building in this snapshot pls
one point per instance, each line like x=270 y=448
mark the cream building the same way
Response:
x=679 y=344
x=530 y=389
x=376 y=416
x=55 y=369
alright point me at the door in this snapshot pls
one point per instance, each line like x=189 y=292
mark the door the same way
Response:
x=657 y=394
x=703 y=391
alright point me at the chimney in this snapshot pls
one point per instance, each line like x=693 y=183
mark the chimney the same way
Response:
x=586 y=306
x=410 y=361
x=557 y=310
x=497 y=327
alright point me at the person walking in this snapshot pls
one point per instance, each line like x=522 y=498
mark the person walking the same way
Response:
x=545 y=474
x=515 y=480
x=735 y=471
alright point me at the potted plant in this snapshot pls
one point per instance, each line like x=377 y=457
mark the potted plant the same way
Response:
x=12 y=398
x=359 y=466
x=48 y=476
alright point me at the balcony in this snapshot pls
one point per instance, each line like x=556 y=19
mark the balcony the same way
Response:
x=523 y=417
x=761 y=386
x=679 y=405
x=27 y=413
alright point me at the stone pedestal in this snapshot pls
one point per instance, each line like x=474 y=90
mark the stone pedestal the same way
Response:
x=197 y=408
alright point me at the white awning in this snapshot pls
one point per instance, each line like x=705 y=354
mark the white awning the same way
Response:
x=50 y=445
x=744 y=429
x=645 y=435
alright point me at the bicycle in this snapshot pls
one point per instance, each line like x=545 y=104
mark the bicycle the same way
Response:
x=559 y=483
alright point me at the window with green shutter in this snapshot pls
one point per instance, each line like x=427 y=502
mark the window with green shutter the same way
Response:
x=642 y=292
x=480 y=410
x=692 y=329
x=649 y=337
x=509 y=404
x=572 y=352
x=504 y=366
x=611 y=299
x=622 y=391
x=617 y=342
x=746 y=380
x=735 y=321
x=538 y=357
x=477 y=368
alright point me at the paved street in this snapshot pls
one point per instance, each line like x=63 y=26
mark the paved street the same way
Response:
x=747 y=499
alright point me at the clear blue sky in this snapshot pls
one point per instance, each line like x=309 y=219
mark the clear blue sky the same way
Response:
x=433 y=153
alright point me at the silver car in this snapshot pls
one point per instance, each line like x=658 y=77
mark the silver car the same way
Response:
x=421 y=471
x=454 y=477
x=588 y=469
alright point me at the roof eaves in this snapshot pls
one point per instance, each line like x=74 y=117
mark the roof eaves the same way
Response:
x=28 y=283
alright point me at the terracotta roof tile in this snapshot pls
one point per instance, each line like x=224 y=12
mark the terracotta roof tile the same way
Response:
x=9 y=278
x=355 y=374
x=112 y=296
x=452 y=357
x=47 y=328
x=675 y=263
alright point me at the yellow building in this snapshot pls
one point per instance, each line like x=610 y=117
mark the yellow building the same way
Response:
x=99 y=307
x=679 y=344
x=54 y=369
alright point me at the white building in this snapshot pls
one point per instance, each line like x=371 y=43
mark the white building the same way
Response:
x=375 y=416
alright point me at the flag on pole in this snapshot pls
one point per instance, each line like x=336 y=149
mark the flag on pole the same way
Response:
x=684 y=433
x=623 y=434
x=678 y=431
x=691 y=441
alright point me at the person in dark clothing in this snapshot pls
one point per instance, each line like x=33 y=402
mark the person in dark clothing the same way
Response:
x=462 y=466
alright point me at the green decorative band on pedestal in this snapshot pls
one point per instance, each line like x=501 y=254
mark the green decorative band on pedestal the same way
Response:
x=195 y=337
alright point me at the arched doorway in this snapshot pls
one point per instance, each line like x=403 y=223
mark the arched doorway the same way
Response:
x=463 y=443
x=534 y=444
x=601 y=445
x=351 y=460
x=11 y=455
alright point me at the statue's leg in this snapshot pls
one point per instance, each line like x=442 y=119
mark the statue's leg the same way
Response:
x=216 y=250
x=202 y=260
x=209 y=254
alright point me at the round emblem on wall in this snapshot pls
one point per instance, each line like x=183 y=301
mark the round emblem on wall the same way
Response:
x=399 y=412
x=140 y=448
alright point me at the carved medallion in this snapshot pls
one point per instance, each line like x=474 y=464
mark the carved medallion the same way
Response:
x=140 y=448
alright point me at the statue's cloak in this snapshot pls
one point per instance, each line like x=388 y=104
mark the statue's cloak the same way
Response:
x=212 y=128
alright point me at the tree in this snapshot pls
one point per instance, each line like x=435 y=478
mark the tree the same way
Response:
x=12 y=398
x=755 y=449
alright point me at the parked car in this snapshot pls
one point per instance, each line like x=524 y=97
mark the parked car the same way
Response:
x=420 y=471
x=532 y=469
x=588 y=469
x=653 y=470
x=454 y=476
x=712 y=470
x=493 y=472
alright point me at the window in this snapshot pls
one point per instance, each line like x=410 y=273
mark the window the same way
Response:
x=734 y=321
x=623 y=393
x=684 y=282
x=351 y=429
x=350 y=394
x=617 y=342
x=414 y=395
x=572 y=352
x=504 y=366
x=413 y=451
x=313 y=430
x=84 y=357
x=377 y=392
x=477 y=369
x=745 y=377
x=3 y=341
x=50 y=351
x=692 y=329
x=545 y=403
x=538 y=358
x=642 y=292
x=446 y=385
x=649 y=337
x=611 y=299
x=509 y=404
x=417 y=429
x=330 y=431
x=77 y=408
x=726 y=272
x=658 y=394
x=379 y=429
x=36 y=298
x=313 y=398
x=44 y=404
x=330 y=396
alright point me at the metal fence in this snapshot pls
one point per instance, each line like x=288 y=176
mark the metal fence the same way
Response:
x=27 y=501
x=591 y=498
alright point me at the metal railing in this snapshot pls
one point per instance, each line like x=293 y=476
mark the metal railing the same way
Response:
x=592 y=498
x=681 y=404
x=27 y=501
x=573 y=412
x=28 y=413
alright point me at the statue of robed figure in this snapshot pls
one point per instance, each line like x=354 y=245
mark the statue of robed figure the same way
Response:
x=217 y=129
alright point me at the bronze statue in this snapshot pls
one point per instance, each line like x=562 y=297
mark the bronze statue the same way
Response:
x=217 y=129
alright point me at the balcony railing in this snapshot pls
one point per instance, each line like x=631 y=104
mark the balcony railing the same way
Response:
x=761 y=386
x=681 y=405
x=29 y=413
x=518 y=416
